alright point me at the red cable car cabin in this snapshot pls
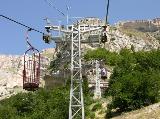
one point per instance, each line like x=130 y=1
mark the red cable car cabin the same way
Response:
x=31 y=72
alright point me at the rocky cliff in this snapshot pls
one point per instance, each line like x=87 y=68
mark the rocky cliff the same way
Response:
x=10 y=74
x=139 y=35
x=130 y=38
x=11 y=67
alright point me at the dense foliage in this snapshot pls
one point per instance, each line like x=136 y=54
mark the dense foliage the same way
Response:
x=110 y=58
x=97 y=106
x=41 y=104
x=135 y=81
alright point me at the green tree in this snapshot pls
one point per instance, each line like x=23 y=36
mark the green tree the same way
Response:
x=135 y=81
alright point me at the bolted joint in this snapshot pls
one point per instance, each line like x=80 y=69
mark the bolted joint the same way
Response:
x=48 y=28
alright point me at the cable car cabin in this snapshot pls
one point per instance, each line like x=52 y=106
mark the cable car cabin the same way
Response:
x=104 y=38
x=31 y=72
x=103 y=73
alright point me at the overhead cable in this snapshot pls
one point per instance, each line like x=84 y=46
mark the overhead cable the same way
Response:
x=107 y=12
x=53 y=6
x=21 y=24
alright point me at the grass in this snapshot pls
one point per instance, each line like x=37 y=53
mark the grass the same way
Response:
x=150 y=112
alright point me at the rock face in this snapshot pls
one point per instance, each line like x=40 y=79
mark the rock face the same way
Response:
x=126 y=34
x=10 y=74
x=123 y=40
x=11 y=68
x=142 y=25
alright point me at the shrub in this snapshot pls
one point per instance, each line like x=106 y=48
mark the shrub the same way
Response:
x=158 y=38
x=97 y=106
x=110 y=58
x=92 y=116
x=112 y=39
x=41 y=104
x=135 y=81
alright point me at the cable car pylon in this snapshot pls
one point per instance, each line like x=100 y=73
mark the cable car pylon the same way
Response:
x=97 y=93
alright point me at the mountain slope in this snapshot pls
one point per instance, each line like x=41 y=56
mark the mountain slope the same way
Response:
x=11 y=67
x=150 y=112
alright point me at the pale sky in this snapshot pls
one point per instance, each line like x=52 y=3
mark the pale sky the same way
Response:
x=32 y=13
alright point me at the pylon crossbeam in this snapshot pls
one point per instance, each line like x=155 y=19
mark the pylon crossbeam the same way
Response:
x=77 y=100
x=76 y=112
x=75 y=55
x=77 y=73
x=75 y=88
x=76 y=63
x=75 y=45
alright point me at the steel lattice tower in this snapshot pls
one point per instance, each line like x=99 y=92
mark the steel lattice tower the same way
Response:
x=74 y=35
x=98 y=76
x=76 y=107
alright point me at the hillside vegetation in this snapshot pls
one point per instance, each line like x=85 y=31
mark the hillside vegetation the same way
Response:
x=135 y=81
x=42 y=104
